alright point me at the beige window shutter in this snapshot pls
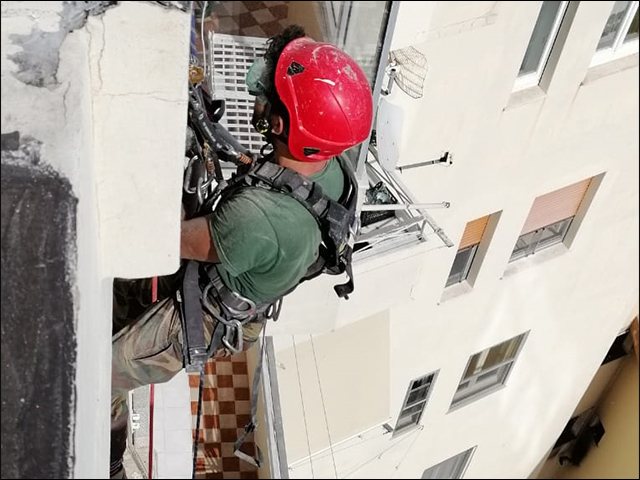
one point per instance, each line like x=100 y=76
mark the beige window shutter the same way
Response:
x=473 y=232
x=555 y=206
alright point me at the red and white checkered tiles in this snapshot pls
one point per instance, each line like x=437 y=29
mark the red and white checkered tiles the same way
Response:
x=248 y=18
x=226 y=409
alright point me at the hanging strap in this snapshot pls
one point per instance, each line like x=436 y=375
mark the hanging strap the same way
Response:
x=345 y=289
x=189 y=296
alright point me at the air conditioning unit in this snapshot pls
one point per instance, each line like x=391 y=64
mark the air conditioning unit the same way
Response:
x=577 y=438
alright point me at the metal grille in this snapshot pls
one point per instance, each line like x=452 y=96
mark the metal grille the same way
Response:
x=412 y=70
x=230 y=58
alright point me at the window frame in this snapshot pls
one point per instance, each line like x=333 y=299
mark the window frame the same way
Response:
x=478 y=388
x=533 y=79
x=336 y=18
x=467 y=267
x=467 y=455
x=477 y=384
x=620 y=48
x=428 y=387
x=536 y=244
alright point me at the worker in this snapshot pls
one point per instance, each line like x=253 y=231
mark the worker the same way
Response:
x=313 y=103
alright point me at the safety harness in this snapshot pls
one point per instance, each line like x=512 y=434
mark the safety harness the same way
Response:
x=203 y=289
x=336 y=219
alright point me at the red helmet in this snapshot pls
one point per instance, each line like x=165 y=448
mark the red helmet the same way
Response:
x=328 y=98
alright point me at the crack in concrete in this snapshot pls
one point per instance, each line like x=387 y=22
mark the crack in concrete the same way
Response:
x=154 y=95
x=101 y=55
x=64 y=102
x=39 y=60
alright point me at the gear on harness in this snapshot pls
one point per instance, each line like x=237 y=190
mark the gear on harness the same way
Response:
x=208 y=142
x=337 y=221
x=200 y=289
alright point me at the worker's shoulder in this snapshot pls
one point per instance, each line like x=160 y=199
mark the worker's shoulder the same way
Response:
x=263 y=197
x=265 y=202
x=331 y=179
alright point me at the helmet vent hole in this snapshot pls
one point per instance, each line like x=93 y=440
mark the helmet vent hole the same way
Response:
x=310 y=151
x=295 y=68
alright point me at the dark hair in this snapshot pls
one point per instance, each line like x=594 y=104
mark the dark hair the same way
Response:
x=275 y=46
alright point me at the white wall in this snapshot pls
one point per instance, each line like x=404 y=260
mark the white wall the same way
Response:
x=508 y=149
x=139 y=56
x=354 y=361
x=111 y=119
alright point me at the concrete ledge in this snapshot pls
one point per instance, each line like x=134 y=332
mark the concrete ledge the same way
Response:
x=610 y=68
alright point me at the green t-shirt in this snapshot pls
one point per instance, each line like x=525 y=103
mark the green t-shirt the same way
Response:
x=267 y=240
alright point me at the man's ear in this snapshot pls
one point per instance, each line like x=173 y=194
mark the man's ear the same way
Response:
x=277 y=125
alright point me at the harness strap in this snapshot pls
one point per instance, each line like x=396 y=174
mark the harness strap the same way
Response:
x=345 y=289
x=308 y=193
x=194 y=348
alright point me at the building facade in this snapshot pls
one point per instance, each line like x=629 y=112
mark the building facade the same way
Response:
x=478 y=320
x=470 y=360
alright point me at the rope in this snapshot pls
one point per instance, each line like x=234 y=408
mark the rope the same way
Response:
x=304 y=414
x=407 y=452
x=377 y=457
x=326 y=420
x=199 y=414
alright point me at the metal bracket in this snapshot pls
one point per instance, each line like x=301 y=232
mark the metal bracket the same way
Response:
x=446 y=158
x=391 y=71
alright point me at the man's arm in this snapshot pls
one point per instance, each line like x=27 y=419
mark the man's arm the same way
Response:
x=196 y=242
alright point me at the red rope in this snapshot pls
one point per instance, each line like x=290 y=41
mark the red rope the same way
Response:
x=154 y=289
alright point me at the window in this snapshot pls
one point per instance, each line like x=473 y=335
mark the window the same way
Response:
x=461 y=265
x=620 y=34
x=549 y=219
x=467 y=251
x=414 y=403
x=487 y=370
x=542 y=39
x=453 y=467
x=541 y=238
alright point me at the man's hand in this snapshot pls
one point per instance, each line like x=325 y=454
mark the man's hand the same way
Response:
x=196 y=242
